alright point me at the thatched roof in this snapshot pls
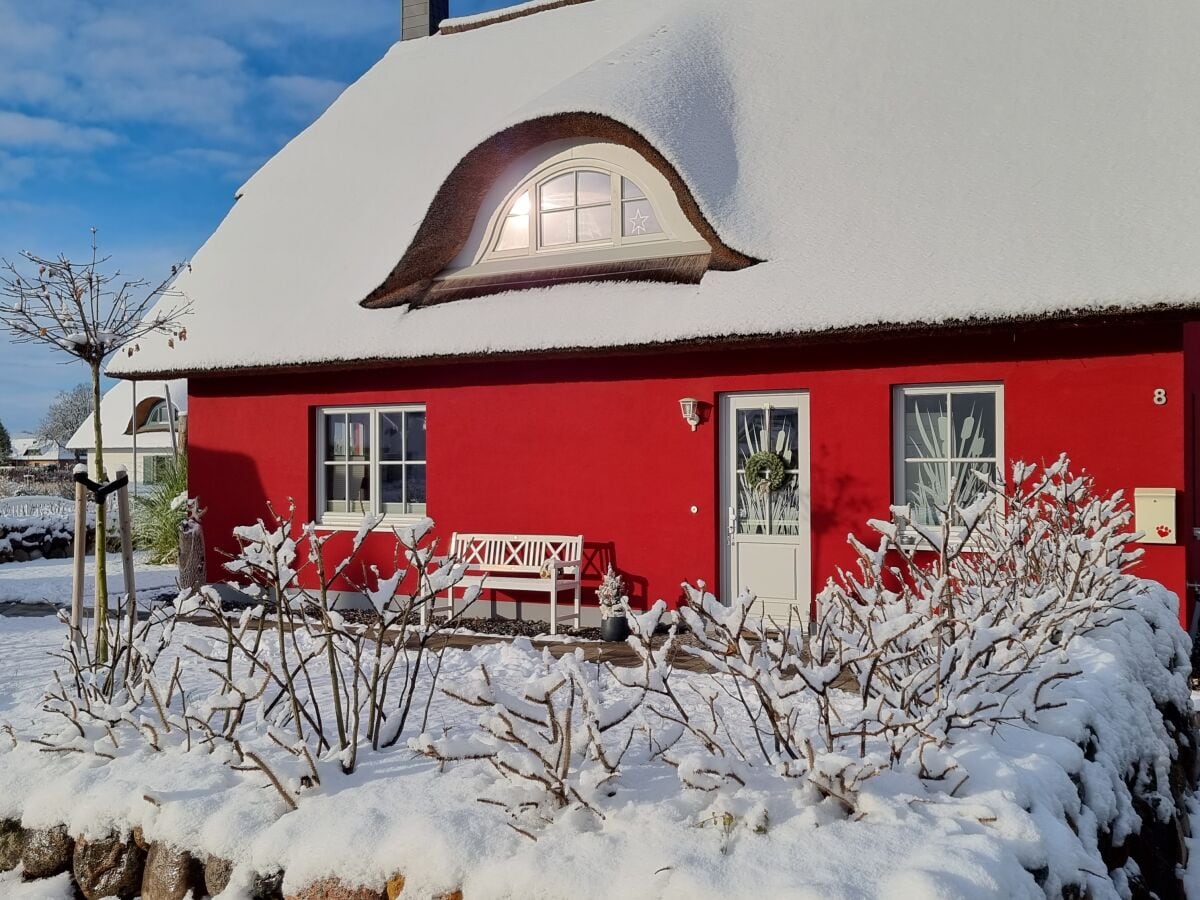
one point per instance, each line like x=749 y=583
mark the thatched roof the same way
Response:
x=889 y=164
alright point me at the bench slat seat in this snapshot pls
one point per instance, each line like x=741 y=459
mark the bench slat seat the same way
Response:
x=539 y=563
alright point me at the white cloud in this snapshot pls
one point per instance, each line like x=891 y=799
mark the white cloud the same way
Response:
x=20 y=130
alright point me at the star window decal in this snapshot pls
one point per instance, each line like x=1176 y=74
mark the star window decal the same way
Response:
x=637 y=222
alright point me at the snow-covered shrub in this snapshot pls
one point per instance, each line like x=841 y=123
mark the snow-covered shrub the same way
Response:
x=547 y=743
x=291 y=670
x=940 y=631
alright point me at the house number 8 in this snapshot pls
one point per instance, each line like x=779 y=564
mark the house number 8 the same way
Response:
x=1160 y=396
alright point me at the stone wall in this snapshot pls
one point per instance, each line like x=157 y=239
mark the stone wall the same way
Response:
x=39 y=537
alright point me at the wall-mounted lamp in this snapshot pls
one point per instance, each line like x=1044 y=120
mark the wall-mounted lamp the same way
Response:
x=690 y=409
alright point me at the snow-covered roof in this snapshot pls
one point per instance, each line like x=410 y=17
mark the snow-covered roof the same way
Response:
x=28 y=448
x=117 y=414
x=891 y=163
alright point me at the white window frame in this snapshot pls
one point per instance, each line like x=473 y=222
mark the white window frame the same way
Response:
x=910 y=538
x=528 y=173
x=352 y=520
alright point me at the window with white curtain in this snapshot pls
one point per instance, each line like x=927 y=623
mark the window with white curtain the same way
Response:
x=370 y=460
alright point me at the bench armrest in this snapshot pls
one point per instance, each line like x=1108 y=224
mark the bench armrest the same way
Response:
x=575 y=564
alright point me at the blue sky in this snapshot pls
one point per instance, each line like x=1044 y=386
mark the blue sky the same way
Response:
x=143 y=118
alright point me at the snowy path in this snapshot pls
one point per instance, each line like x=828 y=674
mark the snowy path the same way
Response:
x=49 y=580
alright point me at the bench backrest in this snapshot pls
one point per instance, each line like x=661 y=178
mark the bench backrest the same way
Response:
x=518 y=553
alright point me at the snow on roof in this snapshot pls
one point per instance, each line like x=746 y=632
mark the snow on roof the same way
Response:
x=892 y=163
x=28 y=448
x=116 y=414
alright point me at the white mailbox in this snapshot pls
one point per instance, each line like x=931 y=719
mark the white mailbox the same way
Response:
x=1154 y=514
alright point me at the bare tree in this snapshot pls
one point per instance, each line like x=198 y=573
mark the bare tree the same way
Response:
x=81 y=310
x=5 y=446
x=65 y=414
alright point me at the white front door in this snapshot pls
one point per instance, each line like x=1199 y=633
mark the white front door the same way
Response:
x=766 y=509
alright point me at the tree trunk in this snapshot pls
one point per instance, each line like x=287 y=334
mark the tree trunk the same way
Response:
x=101 y=612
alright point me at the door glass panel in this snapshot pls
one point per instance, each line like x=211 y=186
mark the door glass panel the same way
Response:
x=752 y=503
x=761 y=507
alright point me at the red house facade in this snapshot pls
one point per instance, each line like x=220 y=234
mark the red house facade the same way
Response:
x=570 y=303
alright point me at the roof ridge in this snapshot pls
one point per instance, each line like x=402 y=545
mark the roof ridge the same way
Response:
x=459 y=24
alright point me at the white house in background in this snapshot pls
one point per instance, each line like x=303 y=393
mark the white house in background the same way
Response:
x=138 y=415
x=28 y=450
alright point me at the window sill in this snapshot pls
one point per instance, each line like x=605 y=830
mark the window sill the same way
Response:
x=353 y=524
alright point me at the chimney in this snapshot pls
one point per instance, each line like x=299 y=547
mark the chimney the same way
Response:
x=420 y=18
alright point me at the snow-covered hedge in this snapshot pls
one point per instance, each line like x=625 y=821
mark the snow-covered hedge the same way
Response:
x=1010 y=722
x=35 y=537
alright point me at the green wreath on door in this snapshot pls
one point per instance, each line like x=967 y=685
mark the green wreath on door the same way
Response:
x=765 y=471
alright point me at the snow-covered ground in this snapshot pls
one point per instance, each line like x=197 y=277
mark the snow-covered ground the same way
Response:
x=49 y=580
x=770 y=838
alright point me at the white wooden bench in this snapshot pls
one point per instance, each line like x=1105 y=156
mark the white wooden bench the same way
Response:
x=517 y=563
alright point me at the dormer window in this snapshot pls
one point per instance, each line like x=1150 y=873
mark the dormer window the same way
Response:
x=579 y=208
x=158 y=418
x=574 y=212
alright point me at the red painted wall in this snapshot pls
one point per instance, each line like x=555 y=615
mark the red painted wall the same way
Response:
x=597 y=445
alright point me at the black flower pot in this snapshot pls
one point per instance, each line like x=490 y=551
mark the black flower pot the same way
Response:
x=614 y=628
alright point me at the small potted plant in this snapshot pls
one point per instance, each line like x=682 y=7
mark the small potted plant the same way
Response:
x=613 y=604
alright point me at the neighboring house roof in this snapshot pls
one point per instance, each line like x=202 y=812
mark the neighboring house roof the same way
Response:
x=34 y=449
x=889 y=163
x=118 y=416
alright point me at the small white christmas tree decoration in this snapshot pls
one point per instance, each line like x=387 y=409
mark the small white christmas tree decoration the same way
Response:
x=611 y=594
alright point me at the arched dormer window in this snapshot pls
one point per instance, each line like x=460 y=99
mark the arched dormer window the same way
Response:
x=574 y=212
x=577 y=208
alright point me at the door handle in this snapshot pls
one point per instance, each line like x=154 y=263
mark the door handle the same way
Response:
x=731 y=526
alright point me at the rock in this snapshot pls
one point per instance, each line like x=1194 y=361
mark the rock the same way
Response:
x=395 y=886
x=171 y=874
x=216 y=874
x=108 y=867
x=333 y=889
x=47 y=852
x=12 y=844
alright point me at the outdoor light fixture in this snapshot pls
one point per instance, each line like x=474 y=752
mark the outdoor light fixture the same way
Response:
x=689 y=407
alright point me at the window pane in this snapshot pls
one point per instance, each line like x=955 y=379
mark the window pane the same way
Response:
x=927 y=490
x=971 y=481
x=335 y=488
x=631 y=191
x=391 y=435
x=974 y=417
x=558 y=228
x=925 y=425
x=638 y=218
x=559 y=193
x=784 y=440
x=360 y=489
x=335 y=436
x=391 y=488
x=514 y=235
x=595 y=223
x=594 y=187
x=520 y=206
x=415 y=488
x=360 y=436
x=414 y=425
